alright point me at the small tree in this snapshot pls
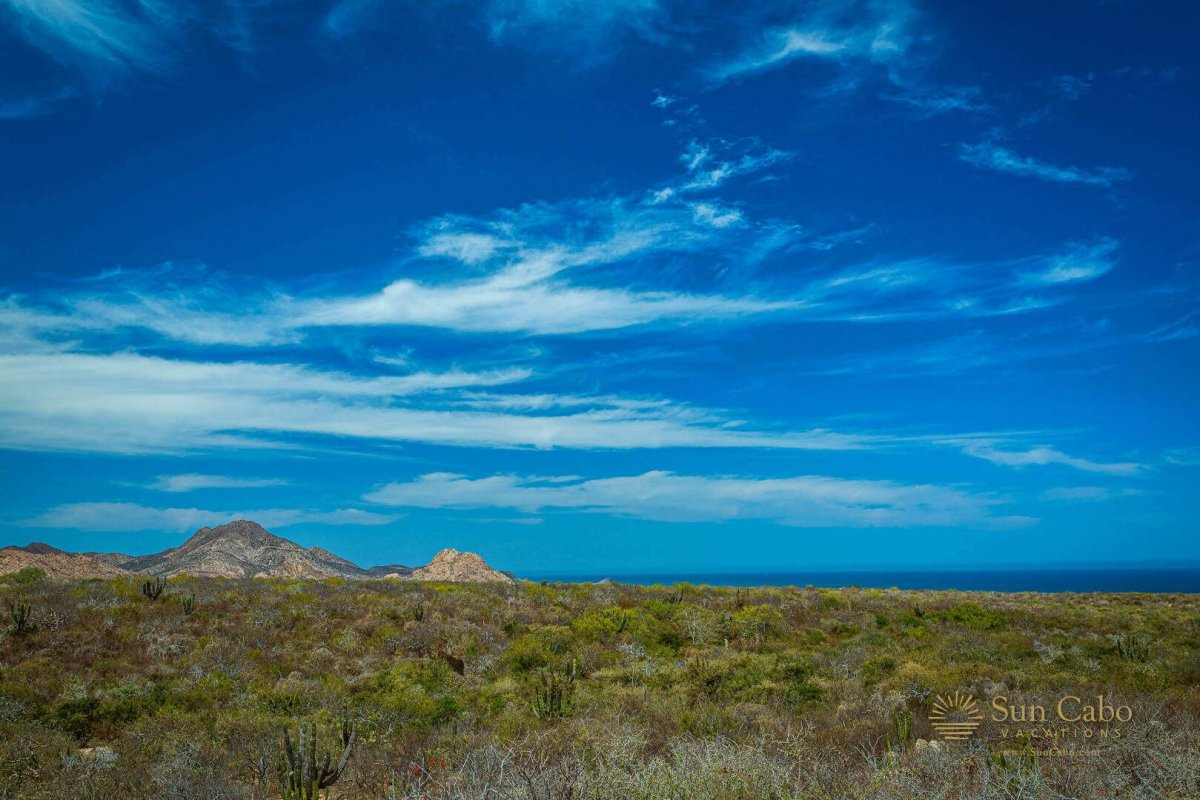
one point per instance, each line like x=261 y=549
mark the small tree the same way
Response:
x=699 y=625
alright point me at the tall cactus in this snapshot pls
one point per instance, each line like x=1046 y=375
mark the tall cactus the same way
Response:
x=154 y=588
x=1132 y=647
x=554 y=693
x=21 y=613
x=304 y=771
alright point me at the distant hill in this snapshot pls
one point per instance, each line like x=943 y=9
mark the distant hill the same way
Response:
x=244 y=549
x=54 y=562
x=451 y=565
x=112 y=559
x=390 y=571
x=240 y=549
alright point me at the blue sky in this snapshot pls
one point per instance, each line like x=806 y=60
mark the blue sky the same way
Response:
x=604 y=287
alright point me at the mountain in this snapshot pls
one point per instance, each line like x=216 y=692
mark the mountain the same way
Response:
x=451 y=565
x=112 y=559
x=240 y=549
x=54 y=562
x=390 y=571
x=244 y=549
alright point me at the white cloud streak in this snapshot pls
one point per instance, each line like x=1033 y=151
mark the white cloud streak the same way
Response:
x=1078 y=263
x=190 y=482
x=519 y=264
x=131 y=404
x=526 y=289
x=126 y=403
x=937 y=100
x=1084 y=494
x=100 y=34
x=988 y=155
x=805 y=501
x=876 y=31
x=1183 y=456
x=585 y=29
x=1043 y=456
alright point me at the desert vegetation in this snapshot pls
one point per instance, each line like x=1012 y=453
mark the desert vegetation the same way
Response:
x=272 y=688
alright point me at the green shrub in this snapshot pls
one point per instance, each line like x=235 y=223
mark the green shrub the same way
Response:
x=77 y=716
x=602 y=625
x=876 y=668
x=24 y=578
x=970 y=615
x=760 y=623
x=527 y=653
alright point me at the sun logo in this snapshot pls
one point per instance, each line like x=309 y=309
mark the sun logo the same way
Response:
x=955 y=717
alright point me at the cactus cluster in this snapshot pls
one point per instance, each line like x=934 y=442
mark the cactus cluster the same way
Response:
x=554 y=693
x=189 y=604
x=902 y=729
x=304 y=770
x=153 y=589
x=1132 y=647
x=21 y=614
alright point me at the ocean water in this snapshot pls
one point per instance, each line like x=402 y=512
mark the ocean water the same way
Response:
x=1012 y=580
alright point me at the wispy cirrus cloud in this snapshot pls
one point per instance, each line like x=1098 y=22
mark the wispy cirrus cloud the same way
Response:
x=1073 y=87
x=587 y=28
x=348 y=17
x=584 y=30
x=931 y=101
x=1084 y=494
x=995 y=157
x=1077 y=263
x=543 y=269
x=126 y=403
x=564 y=269
x=109 y=517
x=100 y=36
x=713 y=162
x=190 y=482
x=30 y=106
x=531 y=254
x=979 y=350
x=130 y=404
x=935 y=288
x=1183 y=456
x=1045 y=455
x=811 y=501
x=878 y=32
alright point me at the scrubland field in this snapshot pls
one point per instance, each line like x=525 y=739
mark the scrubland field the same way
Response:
x=579 y=691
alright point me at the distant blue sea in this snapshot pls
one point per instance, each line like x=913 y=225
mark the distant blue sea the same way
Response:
x=1014 y=580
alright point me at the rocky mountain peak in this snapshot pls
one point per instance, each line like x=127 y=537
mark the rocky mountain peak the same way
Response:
x=240 y=530
x=41 y=549
x=451 y=565
x=243 y=549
